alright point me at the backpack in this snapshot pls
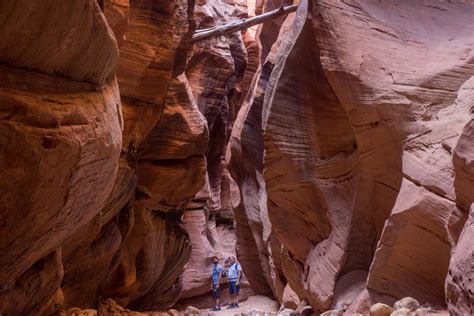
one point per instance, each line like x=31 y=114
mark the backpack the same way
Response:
x=235 y=265
x=224 y=278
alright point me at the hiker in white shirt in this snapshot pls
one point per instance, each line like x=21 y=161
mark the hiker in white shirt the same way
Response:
x=234 y=274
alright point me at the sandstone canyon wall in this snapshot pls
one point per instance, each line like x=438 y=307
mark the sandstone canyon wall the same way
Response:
x=96 y=204
x=109 y=198
x=219 y=73
x=330 y=150
x=366 y=116
x=61 y=122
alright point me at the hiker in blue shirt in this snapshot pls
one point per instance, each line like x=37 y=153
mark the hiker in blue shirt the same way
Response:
x=234 y=274
x=217 y=271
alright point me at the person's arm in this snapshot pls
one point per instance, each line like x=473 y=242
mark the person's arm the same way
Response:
x=239 y=275
x=219 y=279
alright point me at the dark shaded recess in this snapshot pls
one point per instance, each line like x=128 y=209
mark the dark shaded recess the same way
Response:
x=174 y=216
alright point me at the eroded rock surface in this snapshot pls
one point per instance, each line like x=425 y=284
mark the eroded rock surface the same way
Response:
x=91 y=194
x=61 y=122
x=219 y=71
x=330 y=150
x=165 y=139
x=459 y=282
x=359 y=118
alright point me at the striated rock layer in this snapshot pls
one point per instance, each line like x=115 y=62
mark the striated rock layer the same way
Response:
x=61 y=122
x=219 y=72
x=330 y=150
x=92 y=201
x=363 y=116
x=165 y=138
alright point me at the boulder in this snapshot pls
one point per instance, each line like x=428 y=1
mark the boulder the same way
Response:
x=191 y=310
x=380 y=309
x=406 y=302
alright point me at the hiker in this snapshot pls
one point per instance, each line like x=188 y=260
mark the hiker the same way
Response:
x=234 y=274
x=217 y=271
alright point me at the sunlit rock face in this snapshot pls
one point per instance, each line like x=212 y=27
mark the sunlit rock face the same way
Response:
x=365 y=167
x=329 y=149
x=77 y=176
x=165 y=139
x=459 y=282
x=421 y=107
x=61 y=122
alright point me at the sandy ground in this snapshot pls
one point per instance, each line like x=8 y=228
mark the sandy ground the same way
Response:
x=253 y=303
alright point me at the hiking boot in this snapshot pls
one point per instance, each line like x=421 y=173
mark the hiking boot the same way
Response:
x=231 y=305
x=215 y=309
x=236 y=305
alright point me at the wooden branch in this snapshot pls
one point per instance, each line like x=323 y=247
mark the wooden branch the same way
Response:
x=241 y=24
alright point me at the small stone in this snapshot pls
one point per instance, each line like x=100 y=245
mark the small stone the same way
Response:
x=173 y=312
x=191 y=310
x=304 y=310
x=406 y=302
x=402 y=312
x=341 y=306
x=380 y=309
x=287 y=312
x=89 y=312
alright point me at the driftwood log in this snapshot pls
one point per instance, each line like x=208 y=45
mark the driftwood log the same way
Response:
x=241 y=24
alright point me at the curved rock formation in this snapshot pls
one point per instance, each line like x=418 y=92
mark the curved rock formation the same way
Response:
x=459 y=282
x=219 y=73
x=61 y=122
x=330 y=150
x=165 y=141
x=359 y=119
x=113 y=215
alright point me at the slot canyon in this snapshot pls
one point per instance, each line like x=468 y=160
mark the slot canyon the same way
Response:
x=329 y=149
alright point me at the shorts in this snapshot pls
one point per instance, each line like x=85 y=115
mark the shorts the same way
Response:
x=216 y=292
x=234 y=289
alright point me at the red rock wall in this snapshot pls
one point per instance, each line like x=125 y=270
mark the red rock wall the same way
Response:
x=331 y=148
x=165 y=138
x=219 y=71
x=459 y=281
x=103 y=193
x=61 y=122
x=363 y=117
x=115 y=227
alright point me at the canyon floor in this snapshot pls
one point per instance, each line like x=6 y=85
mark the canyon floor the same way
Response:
x=257 y=303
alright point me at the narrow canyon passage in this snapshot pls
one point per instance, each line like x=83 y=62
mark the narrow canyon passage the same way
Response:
x=329 y=149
